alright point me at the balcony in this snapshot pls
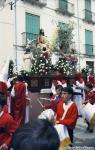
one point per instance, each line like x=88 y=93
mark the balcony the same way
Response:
x=40 y=3
x=28 y=36
x=66 y=8
x=89 y=16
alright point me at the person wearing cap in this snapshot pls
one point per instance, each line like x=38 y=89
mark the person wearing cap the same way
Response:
x=67 y=112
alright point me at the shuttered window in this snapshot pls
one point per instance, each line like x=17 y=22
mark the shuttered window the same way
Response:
x=32 y=26
x=63 y=5
x=88 y=13
x=89 y=42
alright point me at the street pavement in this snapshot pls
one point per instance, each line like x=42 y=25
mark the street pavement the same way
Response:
x=81 y=137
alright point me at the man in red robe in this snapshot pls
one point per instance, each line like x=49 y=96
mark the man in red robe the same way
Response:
x=18 y=102
x=67 y=112
x=7 y=125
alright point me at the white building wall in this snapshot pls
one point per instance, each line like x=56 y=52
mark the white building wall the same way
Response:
x=6 y=34
x=48 y=21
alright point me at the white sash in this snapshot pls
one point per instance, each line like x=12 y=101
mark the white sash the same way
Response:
x=65 y=111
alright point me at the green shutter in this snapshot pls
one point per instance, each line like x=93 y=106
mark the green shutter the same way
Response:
x=32 y=26
x=88 y=5
x=89 y=42
x=88 y=14
x=63 y=5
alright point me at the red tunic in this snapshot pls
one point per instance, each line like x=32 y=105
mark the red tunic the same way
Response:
x=7 y=128
x=90 y=96
x=4 y=89
x=71 y=116
x=18 y=103
x=53 y=103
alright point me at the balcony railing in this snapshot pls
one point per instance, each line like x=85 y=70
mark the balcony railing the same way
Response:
x=89 y=16
x=28 y=36
x=89 y=49
x=40 y=3
x=66 y=8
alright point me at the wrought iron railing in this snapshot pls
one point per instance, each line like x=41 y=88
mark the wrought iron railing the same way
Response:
x=89 y=16
x=28 y=36
x=66 y=7
x=89 y=49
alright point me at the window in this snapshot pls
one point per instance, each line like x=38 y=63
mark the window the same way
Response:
x=88 y=13
x=32 y=26
x=89 y=42
x=90 y=65
x=63 y=5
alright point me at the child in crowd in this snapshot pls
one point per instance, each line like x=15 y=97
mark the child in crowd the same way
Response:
x=67 y=112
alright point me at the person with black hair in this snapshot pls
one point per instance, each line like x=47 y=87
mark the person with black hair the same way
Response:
x=7 y=125
x=67 y=112
x=38 y=135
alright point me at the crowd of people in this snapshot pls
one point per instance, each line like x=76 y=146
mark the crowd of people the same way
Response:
x=53 y=129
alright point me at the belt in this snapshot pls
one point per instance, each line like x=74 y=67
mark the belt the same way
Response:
x=78 y=93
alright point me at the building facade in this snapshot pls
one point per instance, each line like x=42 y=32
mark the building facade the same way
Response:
x=21 y=20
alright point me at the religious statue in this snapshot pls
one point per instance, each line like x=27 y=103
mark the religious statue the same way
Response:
x=41 y=40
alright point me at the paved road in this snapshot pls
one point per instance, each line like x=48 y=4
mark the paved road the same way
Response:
x=82 y=137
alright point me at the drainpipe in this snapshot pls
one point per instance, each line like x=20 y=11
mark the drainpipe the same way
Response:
x=15 y=13
x=78 y=33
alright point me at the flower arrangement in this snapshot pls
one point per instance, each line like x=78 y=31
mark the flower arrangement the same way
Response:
x=64 y=66
x=41 y=66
